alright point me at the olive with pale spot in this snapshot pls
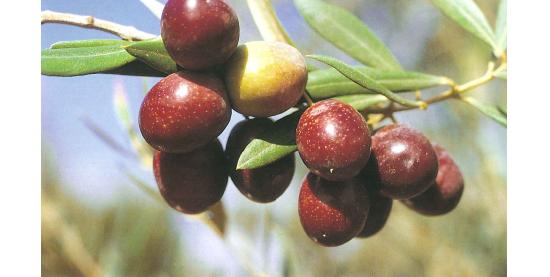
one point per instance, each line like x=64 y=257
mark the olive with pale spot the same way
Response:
x=199 y=34
x=192 y=182
x=264 y=184
x=443 y=195
x=184 y=111
x=332 y=213
x=265 y=78
x=333 y=140
x=403 y=163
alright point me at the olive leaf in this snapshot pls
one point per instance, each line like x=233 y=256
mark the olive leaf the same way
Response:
x=361 y=78
x=326 y=83
x=491 y=111
x=89 y=43
x=83 y=60
x=272 y=144
x=347 y=32
x=500 y=28
x=362 y=101
x=122 y=110
x=153 y=53
x=468 y=15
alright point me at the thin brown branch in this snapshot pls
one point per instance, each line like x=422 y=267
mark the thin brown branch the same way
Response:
x=125 y=32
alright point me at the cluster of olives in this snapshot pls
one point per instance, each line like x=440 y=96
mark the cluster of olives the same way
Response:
x=353 y=177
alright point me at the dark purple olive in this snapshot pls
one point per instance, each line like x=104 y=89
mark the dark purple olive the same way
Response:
x=379 y=211
x=192 y=182
x=443 y=196
x=199 y=34
x=184 y=111
x=333 y=140
x=403 y=163
x=264 y=184
x=332 y=213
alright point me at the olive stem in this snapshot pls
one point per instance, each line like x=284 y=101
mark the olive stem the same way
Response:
x=308 y=98
x=125 y=32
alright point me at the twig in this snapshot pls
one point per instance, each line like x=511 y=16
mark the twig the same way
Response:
x=453 y=92
x=267 y=22
x=125 y=32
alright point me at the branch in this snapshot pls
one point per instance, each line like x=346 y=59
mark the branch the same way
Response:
x=125 y=32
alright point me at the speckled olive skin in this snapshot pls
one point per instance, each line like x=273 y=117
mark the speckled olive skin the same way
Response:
x=265 y=78
x=332 y=213
x=403 y=163
x=192 y=182
x=379 y=211
x=443 y=196
x=199 y=34
x=333 y=140
x=184 y=111
x=264 y=184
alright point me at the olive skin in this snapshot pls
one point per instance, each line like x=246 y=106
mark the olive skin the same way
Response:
x=265 y=78
x=332 y=213
x=199 y=34
x=379 y=211
x=333 y=140
x=443 y=195
x=192 y=182
x=403 y=163
x=184 y=111
x=264 y=184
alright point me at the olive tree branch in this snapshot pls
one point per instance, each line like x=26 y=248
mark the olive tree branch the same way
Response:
x=125 y=32
x=454 y=92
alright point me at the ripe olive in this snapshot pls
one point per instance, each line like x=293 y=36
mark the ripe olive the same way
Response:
x=192 y=182
x=332 y=213
x=333 y=140
x=184 y=111
x=379 y=211
x=265 y=78
x=443 y=195
x=403 y=163
x=199 y=34
x=264 y=184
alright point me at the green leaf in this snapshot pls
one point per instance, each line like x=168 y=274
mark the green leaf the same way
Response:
x=362 y=79
x=272 y=144
x=136 y=68
x=468 y=15
x=89 y=43
x=347 y=32
x=153 y=53
x=501 y=28
x=491 y=111
x=83 y=60
x=362 y=101
x=329 y=82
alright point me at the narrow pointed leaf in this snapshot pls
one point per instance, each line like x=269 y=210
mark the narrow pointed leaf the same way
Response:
x=89 y=43
x=272 y=145
x=347 y=32
x=329 y=82
x=467 y=14
x=83 y=60
x=501 y=27
x=364 y=80
x=491 y=111
x=153 y=53
x=362 y=101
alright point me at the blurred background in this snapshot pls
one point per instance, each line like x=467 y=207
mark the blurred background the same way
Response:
x=97 y=220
